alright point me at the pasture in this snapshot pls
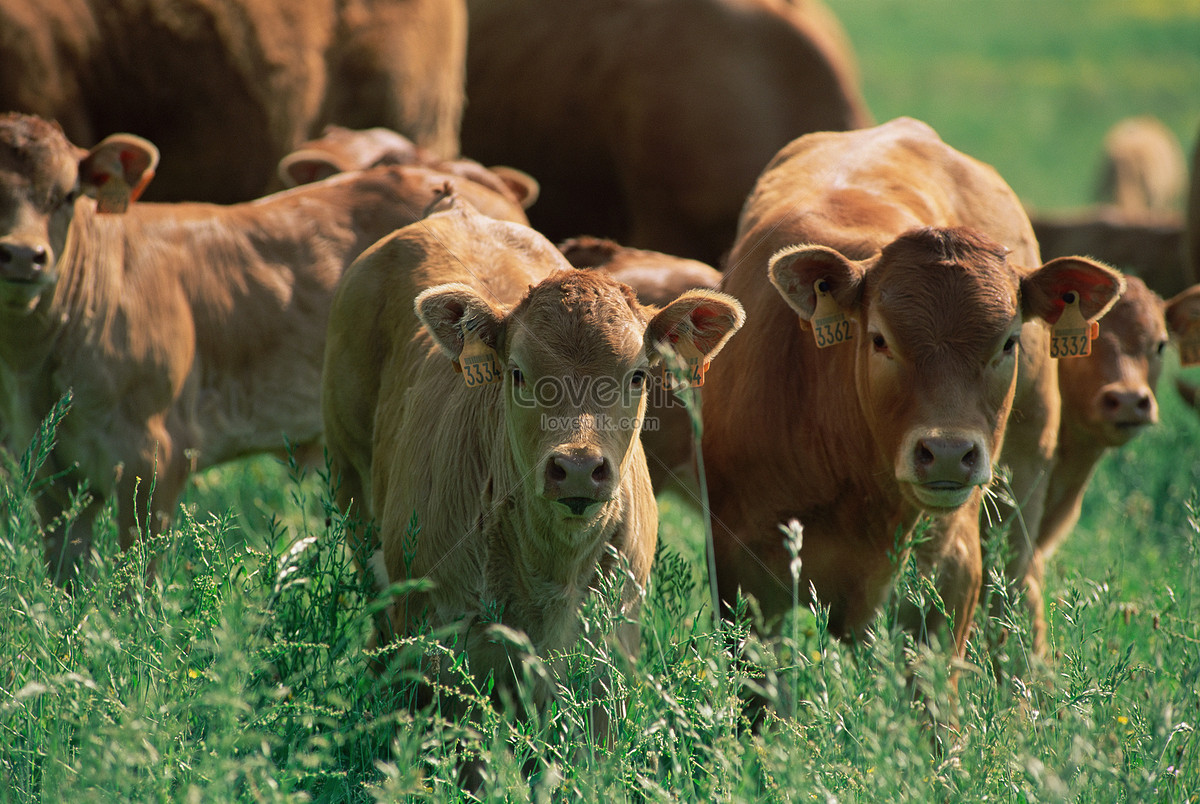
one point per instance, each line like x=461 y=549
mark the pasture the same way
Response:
x=239 y=673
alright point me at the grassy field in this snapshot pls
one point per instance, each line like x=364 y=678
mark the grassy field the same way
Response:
x=240 y=674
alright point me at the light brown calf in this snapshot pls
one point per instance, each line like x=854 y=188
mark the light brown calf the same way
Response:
x=648 y=121
x=530 y=486
x=189 y=334
x=227 y=87
x=924 y=259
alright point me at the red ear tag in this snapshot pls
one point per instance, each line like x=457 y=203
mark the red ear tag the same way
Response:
x=1071 y=335
x=829 y=323
x=113 y=196
x=479 y=363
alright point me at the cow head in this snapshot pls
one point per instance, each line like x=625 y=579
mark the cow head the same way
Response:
x=1110 y=393
x=574 y=357
x=42 y=175
x=937 y=319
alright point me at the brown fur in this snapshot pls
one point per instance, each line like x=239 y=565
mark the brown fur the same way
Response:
x=1143 y=170
x=648 y=121
x=931 y=256
x=1192 y=226
x=500 y=531
x=227 y=87
x=189 y=333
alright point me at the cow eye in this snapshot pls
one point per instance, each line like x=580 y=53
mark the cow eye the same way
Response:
x=637 y=381
x=518 y=379
x=879 y=342
x=1011 y=344
x=1162 y=347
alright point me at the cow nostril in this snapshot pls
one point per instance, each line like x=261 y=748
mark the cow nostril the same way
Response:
x=555 y=472
x=40 y=256
x=924 y=456
x=970 y=458
x=1143 y=403
x=1111 y=401
x=601 y=473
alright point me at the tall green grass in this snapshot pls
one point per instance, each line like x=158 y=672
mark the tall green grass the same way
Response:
x=239 y=673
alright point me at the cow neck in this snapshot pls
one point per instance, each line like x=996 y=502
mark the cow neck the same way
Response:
x=91 y=272
x=1076 y=457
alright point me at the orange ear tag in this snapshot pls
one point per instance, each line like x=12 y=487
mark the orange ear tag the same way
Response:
x=829 y=322
x=1071 y=335
x=696 y=365
x=479 y=363
x=113 y=196
x=1189 y=345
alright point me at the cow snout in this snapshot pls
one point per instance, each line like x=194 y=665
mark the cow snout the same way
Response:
x=21 y=262
x=1127 y=409
x=578 y=480
x=947 y=467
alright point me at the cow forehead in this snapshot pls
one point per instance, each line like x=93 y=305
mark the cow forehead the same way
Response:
x=936 y=305
x=581 y=320
x=35 y=158
x=1137 y=319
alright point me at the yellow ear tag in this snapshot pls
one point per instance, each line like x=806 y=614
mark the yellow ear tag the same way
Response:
x=114 y=195
x=696 y=365
x=1071 y=335
x=1189 y=345
x=829 y=323
x=479 y=363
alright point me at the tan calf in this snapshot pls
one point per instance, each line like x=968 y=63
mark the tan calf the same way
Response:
x=891 y=285
x=531 y=485
x=189 y=334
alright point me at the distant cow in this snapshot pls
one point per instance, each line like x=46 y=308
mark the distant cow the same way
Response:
x=189 y=334
x=528 y=486
x=1144 y=170
x=648 y=121
x=657 y=279
x=226 y=89
x=1192 y=224
x=923 y=260
x=1107 y=399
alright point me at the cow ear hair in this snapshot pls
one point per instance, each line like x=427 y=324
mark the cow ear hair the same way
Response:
x=1096 y=285
x=451 y=311
x=795 y=270
x=524 y=188
x=306 y=166
x=1183 y=310
x=705 y=319
x=122 y=161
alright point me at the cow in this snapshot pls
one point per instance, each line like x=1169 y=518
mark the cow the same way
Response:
x=189 y=334
x=226 y=89
x=656 y=278
x=1108 y=398
x=481 y=389
x=891 y=286
x=1192 y=214
x=631 y=134
x=1143 y=170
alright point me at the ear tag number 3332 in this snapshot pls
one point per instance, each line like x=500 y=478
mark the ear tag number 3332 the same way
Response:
x=829 y=323
x=1071 y=335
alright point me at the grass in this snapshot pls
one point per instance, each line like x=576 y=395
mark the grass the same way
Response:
x=239 y=674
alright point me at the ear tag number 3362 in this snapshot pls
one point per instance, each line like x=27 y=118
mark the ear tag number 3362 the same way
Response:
x=829 y=323
x=1071 y=335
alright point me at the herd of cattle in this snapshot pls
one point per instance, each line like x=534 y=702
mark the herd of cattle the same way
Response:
x=889 y=322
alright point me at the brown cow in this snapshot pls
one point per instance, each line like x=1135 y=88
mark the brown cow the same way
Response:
x=923 y=258
x=189 y=333
x=648 y=121
x=529 y=486
x=1107 y=399
x=657 y=279
x=1143 y=170
x=227 y=88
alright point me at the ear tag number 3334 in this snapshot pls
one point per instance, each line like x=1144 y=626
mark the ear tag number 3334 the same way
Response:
x=1071 y=335
x=478 y=362
x=829 y=323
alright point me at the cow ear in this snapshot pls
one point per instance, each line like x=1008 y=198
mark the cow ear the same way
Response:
x=701 y=320
x=116 y=171
x=794 y=272
x=306 y=166
x=1183 y=311
x=525 y=188
x=1044 y=291
x=451 y=312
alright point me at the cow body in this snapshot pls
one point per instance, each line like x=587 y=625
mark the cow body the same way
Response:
x=1143 y=170
x=522 y=501
x=631 y=132
x=930 y=257
x=227 y=87
x=189 y=334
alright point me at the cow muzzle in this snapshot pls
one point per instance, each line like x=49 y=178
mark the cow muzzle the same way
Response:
x=944 y=469
x=578 y=480
x=1124 y=411
x=22 y=263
